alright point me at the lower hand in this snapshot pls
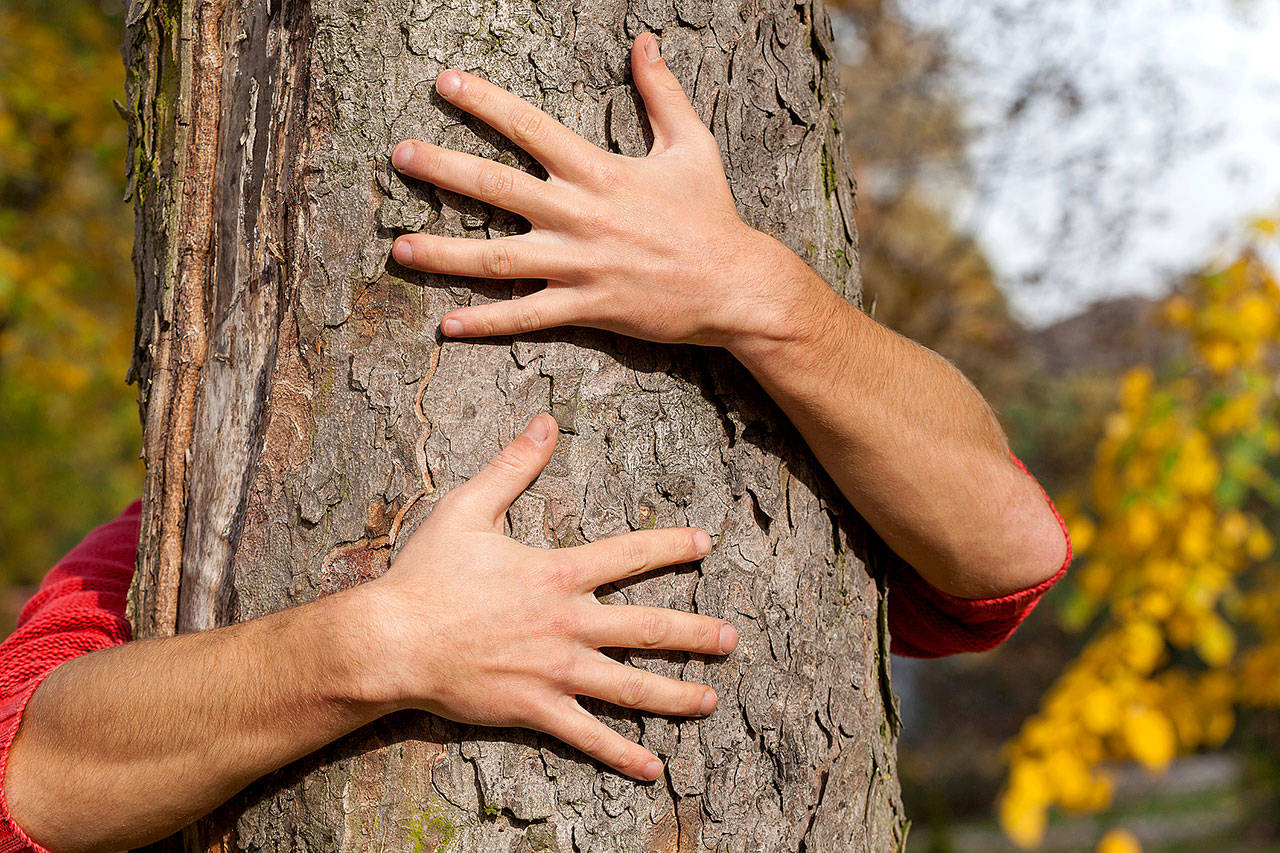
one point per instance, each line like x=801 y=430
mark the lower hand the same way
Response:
x=649 y=247
x=487 y=631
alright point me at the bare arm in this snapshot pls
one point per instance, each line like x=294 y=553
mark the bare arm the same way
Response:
x=908 y=440
x=125 y=746
x=653 y=247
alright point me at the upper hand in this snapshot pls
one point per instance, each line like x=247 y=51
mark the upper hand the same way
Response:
x=649 y=247
x=484 y=630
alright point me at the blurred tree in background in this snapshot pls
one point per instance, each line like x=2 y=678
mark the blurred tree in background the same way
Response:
x=933 y=283
x=69 y=433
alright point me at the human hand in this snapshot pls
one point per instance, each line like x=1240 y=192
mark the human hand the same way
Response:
x=650 y=247
x=487 y=631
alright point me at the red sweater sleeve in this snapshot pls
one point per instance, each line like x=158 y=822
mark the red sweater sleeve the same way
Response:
x=925 y=622
x=78 y=609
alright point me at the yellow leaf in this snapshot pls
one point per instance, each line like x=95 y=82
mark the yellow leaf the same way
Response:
x=1216 y=642
x=1100 y=710
x=1259 y=544
x=1023 y=820
x=1142 y=646
x=1144 y=526
x=1119 y=841
x=1150 y=738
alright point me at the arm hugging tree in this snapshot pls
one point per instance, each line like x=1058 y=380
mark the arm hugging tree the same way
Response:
x=302 y=414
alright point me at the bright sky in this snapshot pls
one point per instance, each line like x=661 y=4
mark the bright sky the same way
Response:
x=1152 y=132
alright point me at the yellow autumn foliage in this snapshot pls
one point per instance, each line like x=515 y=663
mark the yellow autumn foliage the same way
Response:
x=1173 y=576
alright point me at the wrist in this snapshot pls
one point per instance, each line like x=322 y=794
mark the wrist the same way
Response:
x=796 y=312
x=357 y=650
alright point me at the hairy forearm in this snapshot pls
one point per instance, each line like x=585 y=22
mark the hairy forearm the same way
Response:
x=906 y=437
x=125 y=746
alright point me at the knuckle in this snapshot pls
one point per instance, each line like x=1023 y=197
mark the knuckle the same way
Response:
x=583 y=266
x=497 y=261
x=496 y=184
x=610 y=178
x=560 y=577
x=628 y=759
x=559 y=668
x=605 y=174
x=591 y=220
x=526 y=125
x=484 y=319
x=668 y=85
x=653 y=629
x=564 y=625
x=632 y=691
x=510 y=461
x=528 y=319
x=529 y=709
x=591 y=741
x=631 y=554
x=474 y=96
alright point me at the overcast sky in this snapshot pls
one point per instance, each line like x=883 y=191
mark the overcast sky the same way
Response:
x=1151 y=132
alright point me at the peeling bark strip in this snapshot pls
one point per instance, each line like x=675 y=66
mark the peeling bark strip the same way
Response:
x=179 y=344
x=301 y=412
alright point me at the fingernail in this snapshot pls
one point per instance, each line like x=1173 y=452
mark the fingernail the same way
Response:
x=709 y=701
x=728 y=638
x=449 y=83
x=651 y=48
x=452 y=326
x=539 y=429
x=402 y=156
x=652 y=770
x=702 y=542
x=402 y=252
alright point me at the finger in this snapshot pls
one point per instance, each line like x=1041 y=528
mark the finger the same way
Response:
x=551 y=306
x=501 y=257
x=671 y=115
x=560 y=150
x=582 y=730
x=646 y=691
x=491 y=492
x=635 y=553
x=495 y=183
x=633 y=627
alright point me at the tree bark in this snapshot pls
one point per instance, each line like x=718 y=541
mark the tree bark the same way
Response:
x=301 y=413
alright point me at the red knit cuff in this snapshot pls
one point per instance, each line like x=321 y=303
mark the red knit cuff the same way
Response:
x=12 y=838
x=938 y=623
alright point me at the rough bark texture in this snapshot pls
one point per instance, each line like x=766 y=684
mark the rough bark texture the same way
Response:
x=302 y=414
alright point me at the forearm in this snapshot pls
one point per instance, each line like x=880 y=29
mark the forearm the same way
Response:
x=125 y=746
x=654 y=248
x=907 y=438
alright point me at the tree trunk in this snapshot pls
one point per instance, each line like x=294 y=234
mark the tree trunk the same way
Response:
x=302 y=414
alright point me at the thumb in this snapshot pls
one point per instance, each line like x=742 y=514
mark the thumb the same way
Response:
x=490 y=493
x=671 y=115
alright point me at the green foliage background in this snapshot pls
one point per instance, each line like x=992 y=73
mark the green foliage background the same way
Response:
x=69 y=432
